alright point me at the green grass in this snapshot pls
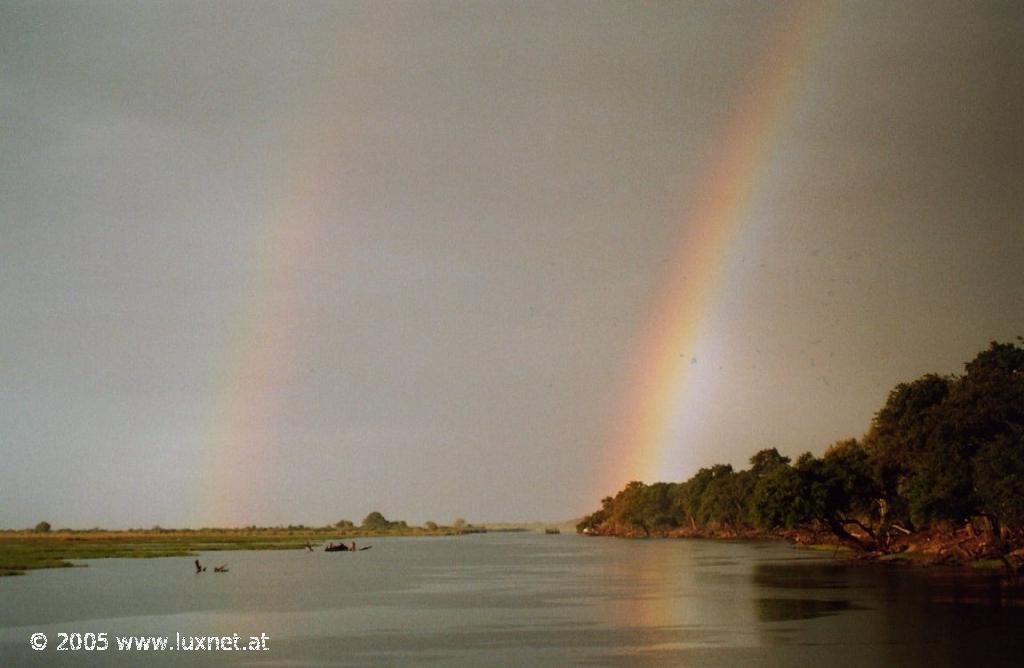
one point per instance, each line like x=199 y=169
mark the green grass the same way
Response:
x=22 y=551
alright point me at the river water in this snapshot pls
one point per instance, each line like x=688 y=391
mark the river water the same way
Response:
x=520 y=600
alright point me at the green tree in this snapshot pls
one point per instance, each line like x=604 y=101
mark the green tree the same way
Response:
x=657 y=505
x=689 y=494
x=779 y=499
x=764 y=461
x=42 y=527
x=939 y=485
x=981 y=413
x=999 y=479
x=375 y=521
x=840 y=490
x=900 y=435
x=726 y=499
x=594 y=521
x=629 y=508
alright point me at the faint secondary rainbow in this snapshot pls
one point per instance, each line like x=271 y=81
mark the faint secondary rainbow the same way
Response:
x=656 y=391
x=242 y=452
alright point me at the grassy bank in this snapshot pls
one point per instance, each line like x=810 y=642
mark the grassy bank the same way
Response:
x=22 y=551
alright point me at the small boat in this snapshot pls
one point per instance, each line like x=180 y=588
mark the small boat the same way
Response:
x=552 y=531
x=220 y=569
x=341 y=547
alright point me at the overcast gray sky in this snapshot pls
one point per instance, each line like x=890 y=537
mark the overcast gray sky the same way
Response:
x=294 y=262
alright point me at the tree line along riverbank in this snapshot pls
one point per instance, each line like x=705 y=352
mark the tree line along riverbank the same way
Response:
x=938 y=478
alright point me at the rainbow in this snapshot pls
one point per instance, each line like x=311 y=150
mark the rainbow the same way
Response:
x=241 y=452
x=647 y=437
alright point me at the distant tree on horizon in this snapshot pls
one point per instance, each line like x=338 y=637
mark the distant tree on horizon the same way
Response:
x=42 y=527
x=376 y=520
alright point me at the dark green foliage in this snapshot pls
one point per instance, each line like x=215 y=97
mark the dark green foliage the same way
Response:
x=849 y=479
x=900 y=432
x=999 y=476
x=939 y=487
x=658 y=502
x=632 y=508
x=766 y=461
x=925 y=441
x=941 y=450
x=726 y=500
x=689 y=495
x=779 y=500
x=375 y=521
x=42 y=527
x=841 y=492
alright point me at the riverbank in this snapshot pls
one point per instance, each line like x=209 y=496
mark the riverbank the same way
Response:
x=963 y=547
x=22 y=551
x=941 y=546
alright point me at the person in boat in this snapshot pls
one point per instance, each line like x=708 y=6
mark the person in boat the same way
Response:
x=353 y=548
x=223 y=568
x=199 y=569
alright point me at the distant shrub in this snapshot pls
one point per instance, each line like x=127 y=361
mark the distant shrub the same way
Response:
x=42 y=527
x=375 y=520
